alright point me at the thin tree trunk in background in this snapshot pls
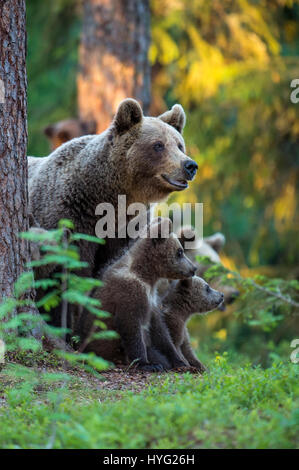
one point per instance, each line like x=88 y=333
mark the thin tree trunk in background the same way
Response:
x=13 y=144
x=113 y=58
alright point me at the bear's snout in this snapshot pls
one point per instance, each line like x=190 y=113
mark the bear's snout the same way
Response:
x=192 y=270
x=220 y=301
x=190 y=168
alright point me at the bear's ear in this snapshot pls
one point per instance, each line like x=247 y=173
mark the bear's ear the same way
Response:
x=176 y=117
x=216 y=241
x=128 y=114
x=49 y=131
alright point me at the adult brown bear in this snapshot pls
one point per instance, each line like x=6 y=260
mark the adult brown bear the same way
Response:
x=140 y=157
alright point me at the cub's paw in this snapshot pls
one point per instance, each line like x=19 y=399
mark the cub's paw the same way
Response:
x=150 y=367
x=179 y=365
x=199 y=367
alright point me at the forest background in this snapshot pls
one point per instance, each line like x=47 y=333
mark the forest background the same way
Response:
x=230 y=64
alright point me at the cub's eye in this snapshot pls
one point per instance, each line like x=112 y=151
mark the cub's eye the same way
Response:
x=208 y=289
x=181 y=148
x=159 y=146
x=180 y=252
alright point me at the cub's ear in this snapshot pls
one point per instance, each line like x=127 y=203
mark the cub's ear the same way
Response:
x=176 y=117
x=49 y=131
x=216 y=241
x=127 y=115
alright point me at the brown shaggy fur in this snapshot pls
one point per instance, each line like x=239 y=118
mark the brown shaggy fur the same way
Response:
x=140 y=157
x=129 y=295
x=183 y=299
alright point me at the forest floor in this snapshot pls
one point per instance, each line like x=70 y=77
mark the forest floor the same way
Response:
x=235 y=405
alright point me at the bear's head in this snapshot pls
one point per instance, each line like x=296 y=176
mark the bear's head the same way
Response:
x=65 y=130
x=153 y=149
x=199 y=296
x=161 y=254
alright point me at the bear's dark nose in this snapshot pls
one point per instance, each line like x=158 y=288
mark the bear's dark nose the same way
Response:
x=190 y=168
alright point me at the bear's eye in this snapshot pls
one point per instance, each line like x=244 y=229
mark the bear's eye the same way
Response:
x=181 y=148
x=208 y=289
x=180 y=252
x=159 y=147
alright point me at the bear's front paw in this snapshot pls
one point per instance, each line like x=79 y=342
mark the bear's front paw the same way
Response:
x=179 y=365
x=150 y=367
x=199 y=366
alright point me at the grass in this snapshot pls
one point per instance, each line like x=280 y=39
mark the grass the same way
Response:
x=234 y=406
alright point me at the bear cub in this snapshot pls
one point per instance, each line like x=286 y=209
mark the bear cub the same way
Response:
x=181 y=301
x=129 y=293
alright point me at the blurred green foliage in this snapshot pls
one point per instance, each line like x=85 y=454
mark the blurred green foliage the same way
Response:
x=230 y=63
x=235 y=406
x=53 y=37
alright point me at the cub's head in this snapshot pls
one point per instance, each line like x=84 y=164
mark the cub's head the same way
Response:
x=164 y=253
x=198 y=296
x=155 y=153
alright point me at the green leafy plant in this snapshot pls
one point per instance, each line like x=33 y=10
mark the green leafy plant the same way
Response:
x=264 y=301
x=64 y=286
x=59 y=254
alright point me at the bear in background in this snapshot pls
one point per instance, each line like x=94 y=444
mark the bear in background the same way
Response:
x=208 y=247
x=66 y=130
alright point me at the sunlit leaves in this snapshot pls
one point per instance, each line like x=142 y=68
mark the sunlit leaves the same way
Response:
x=233 y=75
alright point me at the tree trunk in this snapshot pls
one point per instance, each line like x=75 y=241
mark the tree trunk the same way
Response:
x=113 y=58
x=13 y=143
x=14 y=252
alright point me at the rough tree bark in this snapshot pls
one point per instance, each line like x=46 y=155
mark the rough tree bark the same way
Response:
x=13 y=144
x=113 y=58
x=14 y=252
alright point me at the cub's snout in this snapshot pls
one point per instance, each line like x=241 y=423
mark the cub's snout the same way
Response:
x=189 y=269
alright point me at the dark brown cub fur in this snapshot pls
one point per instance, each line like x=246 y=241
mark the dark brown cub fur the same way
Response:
x=129 y=293
x=183 y=299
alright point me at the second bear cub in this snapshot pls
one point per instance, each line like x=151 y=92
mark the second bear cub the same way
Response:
x=183 y=299
x=129 y=294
